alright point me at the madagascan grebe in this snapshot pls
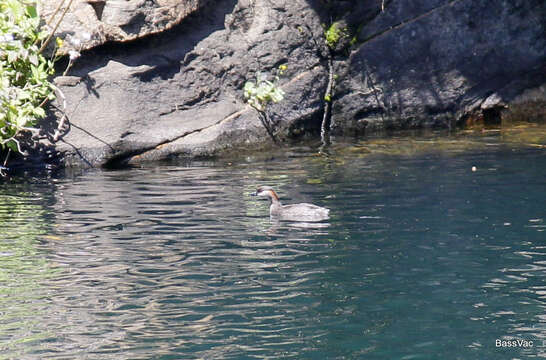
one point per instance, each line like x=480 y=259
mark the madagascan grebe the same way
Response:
x=295 y=212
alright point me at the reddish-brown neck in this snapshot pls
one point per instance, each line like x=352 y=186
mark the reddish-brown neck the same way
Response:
x=274 y=195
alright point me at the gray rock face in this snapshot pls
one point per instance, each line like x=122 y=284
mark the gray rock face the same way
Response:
x=89 y=23
x=403 y=65
x=432 y=62
x=182 y=93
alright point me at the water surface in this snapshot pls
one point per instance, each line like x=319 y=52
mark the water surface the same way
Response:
x=435 y=249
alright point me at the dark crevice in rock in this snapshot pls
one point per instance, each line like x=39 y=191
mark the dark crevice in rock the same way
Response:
x=308 y=126
x=98 y=7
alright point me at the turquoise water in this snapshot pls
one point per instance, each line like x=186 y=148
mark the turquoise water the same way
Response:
x=423 y=257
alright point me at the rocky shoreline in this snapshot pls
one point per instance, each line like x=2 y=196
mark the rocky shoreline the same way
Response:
x=172 y=85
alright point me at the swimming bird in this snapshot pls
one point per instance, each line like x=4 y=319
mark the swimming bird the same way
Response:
x=295 y=212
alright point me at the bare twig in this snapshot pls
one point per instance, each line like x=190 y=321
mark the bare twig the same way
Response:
x=56 y=27
x=70 y=63
x=63 y=118
x=4 y=169
x=7 y=157
x=268 y=126
x=326 y=116
x=61 y=3
x=24 y=153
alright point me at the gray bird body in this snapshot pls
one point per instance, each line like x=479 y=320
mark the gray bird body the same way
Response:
x=295 y=212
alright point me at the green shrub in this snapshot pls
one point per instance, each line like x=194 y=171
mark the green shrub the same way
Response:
x=24 y=71
x=260 y=93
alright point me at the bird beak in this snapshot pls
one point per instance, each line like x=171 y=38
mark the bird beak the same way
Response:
x=254 y=193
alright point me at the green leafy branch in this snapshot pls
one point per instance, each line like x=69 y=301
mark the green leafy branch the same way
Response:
x=24 y=70
x=261 y=93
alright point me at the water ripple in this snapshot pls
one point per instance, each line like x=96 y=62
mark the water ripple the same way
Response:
x=179 y=262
